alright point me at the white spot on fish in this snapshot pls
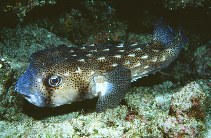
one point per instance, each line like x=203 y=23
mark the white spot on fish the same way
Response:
x=137 y=64
x=121 y=51
x=95 y=50
x=155 y=50
x=39 y=80
x=81 y=60
x=89 y=55
x=74 y=55
x=120 y=45
x=155 y=59
x=114 y=65
x=92 y=45
x=83 y=47
x=127 y=62
x=134 y=75
x=107 y=49
x=144 y=73
x=146 y=67
x=117 y=56
x=138 y=48
x=163 y=58
x=132 y=55
x=144 y=56
x=66 y=74
x=78 y=70
x=92 y=72
x=134 y=44
x=101 y=58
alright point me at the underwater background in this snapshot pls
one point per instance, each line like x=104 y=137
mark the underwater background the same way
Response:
x=175 y=102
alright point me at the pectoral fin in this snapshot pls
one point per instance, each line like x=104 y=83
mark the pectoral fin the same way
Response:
x=112 y=87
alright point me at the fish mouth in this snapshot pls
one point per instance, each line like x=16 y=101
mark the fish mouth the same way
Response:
x=26 y=96
x=35 y=100
x=38 y=101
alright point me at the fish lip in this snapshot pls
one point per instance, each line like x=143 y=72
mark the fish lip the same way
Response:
x=26 y=96
x=34 y=99
x=30 y=98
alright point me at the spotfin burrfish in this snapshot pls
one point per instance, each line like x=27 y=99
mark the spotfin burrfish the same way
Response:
x=64 y=74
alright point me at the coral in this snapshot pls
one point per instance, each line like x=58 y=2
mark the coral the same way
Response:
x=202 y=57
x=153 y=105
x=142 y=117
x=16 y=47
x=97 y=25
x=21 y=8
x=165 y=110
x=189 y=127
x=21 y=42
x=206 y=86
x=189 y=101
x=181 y=4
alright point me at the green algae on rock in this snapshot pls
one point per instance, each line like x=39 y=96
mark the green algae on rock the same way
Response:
x=149 y=103
x=189 y=101
x=21 y=8
x=182 y=4
x=146 y=113
x=202 y=60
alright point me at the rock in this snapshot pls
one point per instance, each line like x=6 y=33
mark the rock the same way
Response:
x=190 y=100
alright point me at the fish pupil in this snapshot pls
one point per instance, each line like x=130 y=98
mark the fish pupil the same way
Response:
x=54 y=81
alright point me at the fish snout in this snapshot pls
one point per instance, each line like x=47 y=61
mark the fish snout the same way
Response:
x=25 y=85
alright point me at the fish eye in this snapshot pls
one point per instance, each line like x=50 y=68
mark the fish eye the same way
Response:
x=54 y=81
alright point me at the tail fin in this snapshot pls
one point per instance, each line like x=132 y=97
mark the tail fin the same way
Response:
x=165 y=34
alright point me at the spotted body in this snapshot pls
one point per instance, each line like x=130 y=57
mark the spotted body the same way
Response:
x=64 y=74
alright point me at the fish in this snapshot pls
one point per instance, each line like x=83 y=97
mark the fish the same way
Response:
x=63 y=75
